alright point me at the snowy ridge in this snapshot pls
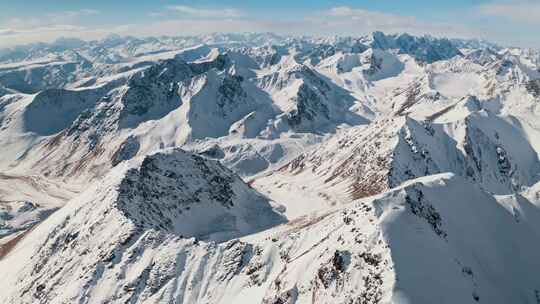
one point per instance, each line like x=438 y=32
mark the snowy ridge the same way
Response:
x=365 y=252
x=481 y=147
x=119 y=217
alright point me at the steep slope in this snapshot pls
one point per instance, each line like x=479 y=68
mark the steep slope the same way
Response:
x=170 y=199
x=309 y=101
x=426 y=49
x=33 y=76
x=98 y=121
x=366 y=252
x=488 y=150
x=170 y=103
x=25 y=200
x=459 y=240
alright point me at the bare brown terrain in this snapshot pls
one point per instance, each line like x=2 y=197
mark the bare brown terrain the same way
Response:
x=9 y=245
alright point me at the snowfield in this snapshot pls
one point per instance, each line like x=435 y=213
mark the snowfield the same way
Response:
x=254 y=168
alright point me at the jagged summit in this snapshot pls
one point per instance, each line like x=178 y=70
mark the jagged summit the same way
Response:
x=425 y=48
x=171 y=197
x=185 y=194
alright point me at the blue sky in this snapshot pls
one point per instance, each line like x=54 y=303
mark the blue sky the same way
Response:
x=511 y=22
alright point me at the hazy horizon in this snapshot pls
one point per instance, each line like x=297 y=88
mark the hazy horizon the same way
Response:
x=510 y=22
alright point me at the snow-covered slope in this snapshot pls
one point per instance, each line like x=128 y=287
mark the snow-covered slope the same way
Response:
x=413 y=244
x=172 y=197
x=491 y=151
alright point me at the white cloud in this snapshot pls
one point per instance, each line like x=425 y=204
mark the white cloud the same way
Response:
x=348 y=20
x=186 y=20
x=371 y=19
x=7 y=32
x=206 y=13
x=321 y=24
x=516 y=11
x=156 y=14
x=48 y=20
x=88 y=11
x=68 y=16
x=51 y=26
x=48 y=33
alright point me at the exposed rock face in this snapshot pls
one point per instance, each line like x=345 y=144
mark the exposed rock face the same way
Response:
x=308 y=107
x=127 y=150
x=154 y=92
x=422 y=48
x=230 y=93
x=391 y=152
x=533 y=86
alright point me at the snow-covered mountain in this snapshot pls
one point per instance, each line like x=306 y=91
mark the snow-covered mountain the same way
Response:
x=255 y=168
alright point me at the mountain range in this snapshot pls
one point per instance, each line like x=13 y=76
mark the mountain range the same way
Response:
x=258 y=168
